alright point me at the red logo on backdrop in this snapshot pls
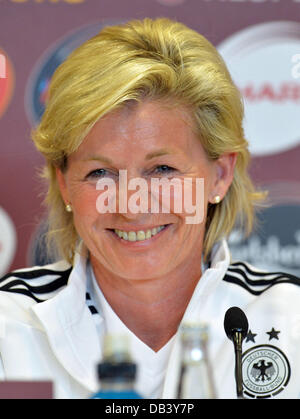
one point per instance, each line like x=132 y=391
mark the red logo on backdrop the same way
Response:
x=6 y=81
x=263 y=60
x=283 y=92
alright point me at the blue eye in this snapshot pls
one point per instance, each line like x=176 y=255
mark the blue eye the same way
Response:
x=164 y=168
x=100 y=173
x=97 y=173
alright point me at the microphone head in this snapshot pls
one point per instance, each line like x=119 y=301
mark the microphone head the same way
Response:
x=235 y=320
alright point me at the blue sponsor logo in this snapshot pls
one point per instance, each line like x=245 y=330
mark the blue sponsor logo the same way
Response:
x=38 y=83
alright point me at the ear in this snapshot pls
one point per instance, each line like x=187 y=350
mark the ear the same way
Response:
x=224 y=172
x=62 y=184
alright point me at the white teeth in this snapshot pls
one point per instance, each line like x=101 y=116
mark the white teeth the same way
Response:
x=141 y=235
x=133 y=236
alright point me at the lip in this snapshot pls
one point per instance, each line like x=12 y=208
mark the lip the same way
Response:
x=140 y=244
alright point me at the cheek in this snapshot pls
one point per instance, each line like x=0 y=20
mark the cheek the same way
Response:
x=87 y=219
x=189 y=196
x=84 y=206
x=83 y=198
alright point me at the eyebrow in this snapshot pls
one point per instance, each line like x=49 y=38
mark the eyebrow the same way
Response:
x=99 y=158
x=149 y=156
x=161 y=152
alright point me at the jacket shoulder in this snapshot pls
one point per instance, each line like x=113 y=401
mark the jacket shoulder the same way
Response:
x=256 y=281
x=38 y=283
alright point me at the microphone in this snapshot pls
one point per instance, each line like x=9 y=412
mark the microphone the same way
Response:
x=236 y=329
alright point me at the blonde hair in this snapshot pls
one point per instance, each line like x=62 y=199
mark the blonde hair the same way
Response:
x=153 y=59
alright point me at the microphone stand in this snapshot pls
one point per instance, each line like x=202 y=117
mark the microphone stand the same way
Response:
x=237 y=342
x=236 y=328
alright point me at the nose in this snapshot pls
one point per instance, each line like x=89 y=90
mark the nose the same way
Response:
x=137 y=195
x=133 y=197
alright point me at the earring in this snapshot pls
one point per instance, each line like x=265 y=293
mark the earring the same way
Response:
x=217 y=199
x=68 y=208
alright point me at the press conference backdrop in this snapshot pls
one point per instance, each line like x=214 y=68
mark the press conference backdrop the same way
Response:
x=260 y=42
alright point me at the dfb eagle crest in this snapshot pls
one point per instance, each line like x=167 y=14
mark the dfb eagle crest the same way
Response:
x=262 y=371
x=266 y=371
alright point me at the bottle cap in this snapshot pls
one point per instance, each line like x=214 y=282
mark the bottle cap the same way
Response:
x=117 y=364
x=121 y=371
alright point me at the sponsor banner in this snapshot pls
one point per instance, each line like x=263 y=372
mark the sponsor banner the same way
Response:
x=275 y=243
x=264 y=61
x=6 y=81
x=39 y=79
x=264 y=58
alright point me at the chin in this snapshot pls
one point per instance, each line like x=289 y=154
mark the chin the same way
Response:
x=140 y=271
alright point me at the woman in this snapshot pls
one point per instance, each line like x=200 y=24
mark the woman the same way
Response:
x=147 y=101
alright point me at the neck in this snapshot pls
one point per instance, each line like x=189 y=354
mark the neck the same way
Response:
x=152 y=309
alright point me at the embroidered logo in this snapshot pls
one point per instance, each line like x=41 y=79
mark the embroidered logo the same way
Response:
x=266 y=371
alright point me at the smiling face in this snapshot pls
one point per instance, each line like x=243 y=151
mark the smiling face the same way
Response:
x=148 y=140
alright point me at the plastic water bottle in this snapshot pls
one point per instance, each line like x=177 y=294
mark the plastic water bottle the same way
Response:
x=196 y=378
x=117 y=371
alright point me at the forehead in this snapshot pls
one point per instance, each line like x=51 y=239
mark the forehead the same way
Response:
x=141 y=128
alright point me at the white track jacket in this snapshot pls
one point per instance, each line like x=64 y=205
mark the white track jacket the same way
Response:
x=51 y=330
